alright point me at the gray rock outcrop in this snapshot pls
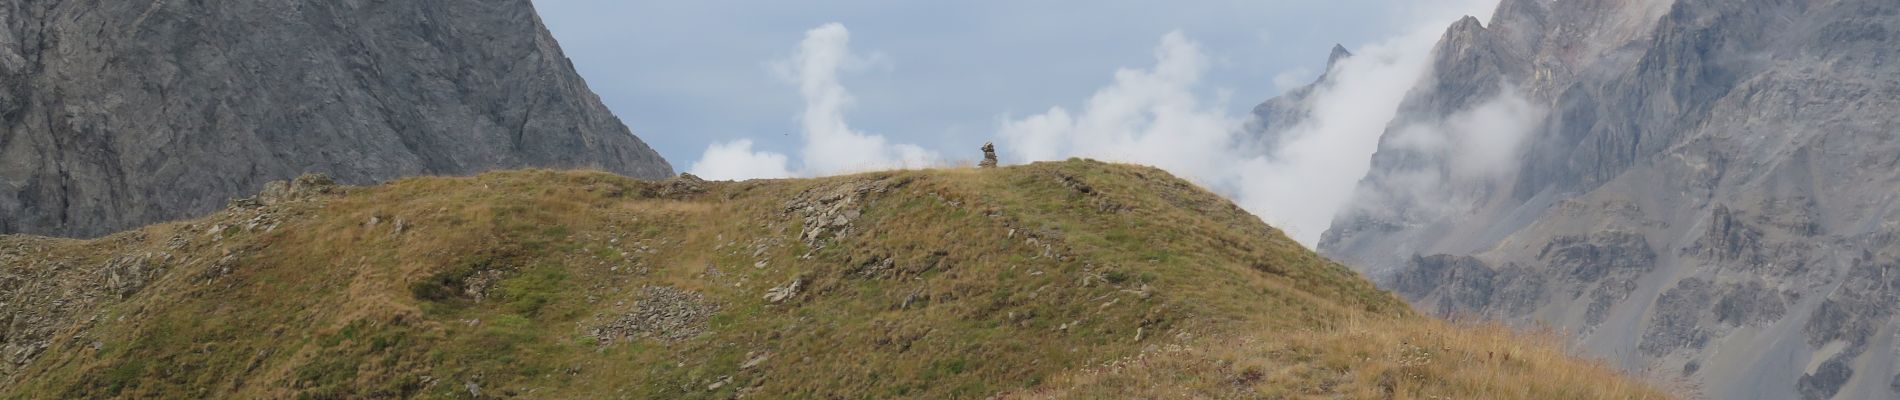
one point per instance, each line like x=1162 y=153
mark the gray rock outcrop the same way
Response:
x=117 y=114
x=1711 y=192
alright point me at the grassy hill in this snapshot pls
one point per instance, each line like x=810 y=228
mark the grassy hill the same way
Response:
x=1075 y=279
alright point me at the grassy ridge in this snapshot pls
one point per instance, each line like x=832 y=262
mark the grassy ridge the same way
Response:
x=1077 y=279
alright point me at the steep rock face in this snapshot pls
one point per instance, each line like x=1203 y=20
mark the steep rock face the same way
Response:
x=1272 y=119
x=117 y=114
x=1707 y=192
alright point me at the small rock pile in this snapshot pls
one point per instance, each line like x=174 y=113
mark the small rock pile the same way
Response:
x=664 y=313
x=126 y=274
x=260 y=212
x=989 y=156
x=303 y=188
x=780 y=294
x=829 y=211
x=682 y=187
x=476 y=286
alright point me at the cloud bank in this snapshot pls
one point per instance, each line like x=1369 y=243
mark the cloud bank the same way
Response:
x=1162 y=116
x=1314 y=171
x=1154 y=117
x=737 y=160
x=1478 y=142
x=831 y=146
x=1148 y=116
x=1476 y=148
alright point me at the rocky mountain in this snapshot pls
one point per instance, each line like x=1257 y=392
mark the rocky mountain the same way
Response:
x=1273 y=118
x=1703 y=191
x=1076 y=279
x=116 y=114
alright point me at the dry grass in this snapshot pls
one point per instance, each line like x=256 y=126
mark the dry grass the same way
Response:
x=1361 y=358
x=1076 y=279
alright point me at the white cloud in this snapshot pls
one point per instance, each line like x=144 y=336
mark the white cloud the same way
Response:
x=831 y=146
x=1319 y=162
x=736 y=160
x=1293 y=79
x=1479 y=142
x=1477 y=145
x=1489 y=137
x=1147 y=116
x=1154 y=117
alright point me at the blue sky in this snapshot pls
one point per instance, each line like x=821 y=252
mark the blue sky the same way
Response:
x=686 y=74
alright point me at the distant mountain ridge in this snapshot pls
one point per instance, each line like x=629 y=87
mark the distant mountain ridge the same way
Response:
x=1711 y=194
x=1273 y=118
x=117 y=114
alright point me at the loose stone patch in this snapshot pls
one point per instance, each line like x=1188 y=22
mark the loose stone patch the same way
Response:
x=663 y=313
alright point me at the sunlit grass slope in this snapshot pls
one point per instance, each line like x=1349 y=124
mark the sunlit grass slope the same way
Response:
x=1075 y=279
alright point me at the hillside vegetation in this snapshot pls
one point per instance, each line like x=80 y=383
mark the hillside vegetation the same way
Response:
x=1075 y=279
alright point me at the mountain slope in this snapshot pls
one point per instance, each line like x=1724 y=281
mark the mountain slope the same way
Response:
x=1055 y=280
x=117 y=114
x=1708 y=193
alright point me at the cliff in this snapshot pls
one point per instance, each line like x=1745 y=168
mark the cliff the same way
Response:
x=117 y=114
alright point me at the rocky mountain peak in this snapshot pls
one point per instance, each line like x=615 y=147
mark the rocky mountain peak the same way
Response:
x=1466 y=24
x=118 y=114
x=1339 y=53
x=1272 y=118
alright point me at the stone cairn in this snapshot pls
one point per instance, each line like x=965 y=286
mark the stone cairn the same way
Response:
x=989 y=156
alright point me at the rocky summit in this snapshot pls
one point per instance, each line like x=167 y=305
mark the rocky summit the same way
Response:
x=1707 y=196
x=1076 y=279
x=115 y=114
